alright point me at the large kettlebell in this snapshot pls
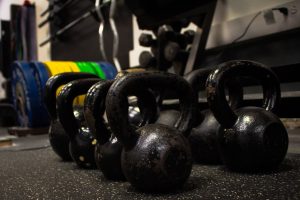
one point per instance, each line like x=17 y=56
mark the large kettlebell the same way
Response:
x=250 y=138
x=82 y=143
x=108 y=149
x=203 y=137
x=59 y=140
x=155 y=157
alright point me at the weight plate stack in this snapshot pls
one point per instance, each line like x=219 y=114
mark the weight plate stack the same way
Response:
x=109 y=70
x=52 y=68
x=58 y=67
x=25 y=95
x=84 y=67
x=41 y=76
x=73 y=66
x=98 y=70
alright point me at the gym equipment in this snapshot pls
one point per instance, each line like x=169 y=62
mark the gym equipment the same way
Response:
x=28 y=83
x=203 y=137
x=250 y=138
x=59 y=140
x=155 y=157
x=108 y=148
x=25 y=94
x=82 y=143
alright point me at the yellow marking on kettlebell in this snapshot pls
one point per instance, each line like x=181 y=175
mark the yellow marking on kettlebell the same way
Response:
x=81 y=158
x=94 y=142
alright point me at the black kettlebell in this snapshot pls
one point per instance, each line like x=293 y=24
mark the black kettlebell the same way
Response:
x=203 y=137
x=59 y=140
x=108 y=149
x=251 y=139
x=82 y=143
x=155 y=157
x=167 y=117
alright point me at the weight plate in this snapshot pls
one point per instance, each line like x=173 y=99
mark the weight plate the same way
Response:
x=73 y=67
x=98 y=69
x=52 y=68
x=25 y=94
x=106 y=72
x=109 y=69
x=41 y=76
x=62 y=66
x=85 y=68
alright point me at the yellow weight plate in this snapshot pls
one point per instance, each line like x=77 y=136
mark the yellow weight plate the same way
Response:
x=63 y=66
x=58 y=67
x=52 y=68
x=80 y=99
x=73 y=67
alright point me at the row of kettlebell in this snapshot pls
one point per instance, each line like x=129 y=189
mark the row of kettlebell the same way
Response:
x=156 y=154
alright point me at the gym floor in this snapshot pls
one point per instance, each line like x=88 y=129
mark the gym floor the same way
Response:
x=30 y=170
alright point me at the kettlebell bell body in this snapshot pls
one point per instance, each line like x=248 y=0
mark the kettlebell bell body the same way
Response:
x=155 y=157
x=82 y=143
x=251 y=139
x=59 y=140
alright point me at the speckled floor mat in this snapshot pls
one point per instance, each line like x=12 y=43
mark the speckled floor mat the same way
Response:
x=39 y=174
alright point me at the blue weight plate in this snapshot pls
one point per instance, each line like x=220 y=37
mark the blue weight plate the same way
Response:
x=110 y=71
x=41 y=76
x=25 y=94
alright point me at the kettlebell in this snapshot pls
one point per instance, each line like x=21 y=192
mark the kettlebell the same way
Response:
x=59 y=140
x=82 y=143
x=108 y=149
x=155 y=157
x=251 y=139
x=167 y=117
x=203 y=138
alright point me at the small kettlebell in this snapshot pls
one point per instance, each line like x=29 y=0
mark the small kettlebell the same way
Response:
x=251 y=139
x=59 y=140
x=82 y=143
x=108 y=149
x=203 y=137
x=155 y=157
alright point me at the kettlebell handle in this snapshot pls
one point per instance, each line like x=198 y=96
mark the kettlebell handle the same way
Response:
x=215 y=88
x=132 y=84
x=65 y=103
x=197 y=80
x=54 y=83
x=94 y=108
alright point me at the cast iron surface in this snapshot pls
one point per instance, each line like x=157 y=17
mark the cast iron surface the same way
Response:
x=203 y=137
x=28 y=175
x=82 y=143
x=59 y=140
x=108 y=149
x=155 y=157
x=251 y=138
